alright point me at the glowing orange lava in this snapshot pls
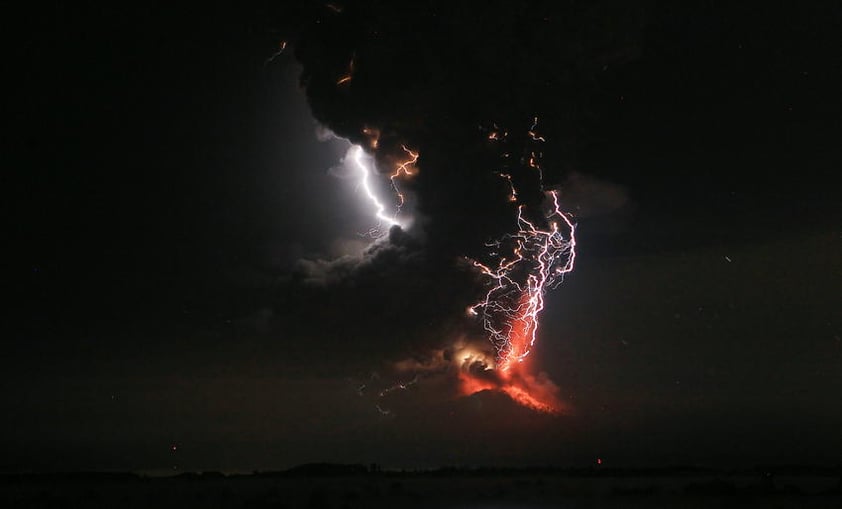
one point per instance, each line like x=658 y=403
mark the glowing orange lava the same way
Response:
x=535 y=393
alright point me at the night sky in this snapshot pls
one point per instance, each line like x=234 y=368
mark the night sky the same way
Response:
x=188 y=287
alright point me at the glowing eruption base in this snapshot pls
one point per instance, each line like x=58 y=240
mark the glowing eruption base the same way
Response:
x=538 y=259
x=524 y=265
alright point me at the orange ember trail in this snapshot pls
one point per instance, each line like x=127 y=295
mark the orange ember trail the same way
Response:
x=525 y=398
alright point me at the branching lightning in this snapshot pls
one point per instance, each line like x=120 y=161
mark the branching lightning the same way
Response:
x=380 y=210
x=524 y=264
x=528 y=262
x=403 y=170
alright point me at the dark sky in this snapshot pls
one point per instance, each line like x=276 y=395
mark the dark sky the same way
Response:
x=175 y=264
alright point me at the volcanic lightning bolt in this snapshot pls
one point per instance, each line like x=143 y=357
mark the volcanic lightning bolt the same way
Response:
x=538 y=259
x=524 y=265
x=358 y=155
x=403 y=170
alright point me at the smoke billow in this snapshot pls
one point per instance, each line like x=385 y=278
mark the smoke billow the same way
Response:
x=438 y=78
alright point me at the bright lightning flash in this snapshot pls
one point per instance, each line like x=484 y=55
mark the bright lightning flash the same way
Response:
x=525 y=264
x=538 y=259
x=403 y=170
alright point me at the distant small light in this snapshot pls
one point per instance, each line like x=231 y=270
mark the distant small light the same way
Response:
x=599 y=461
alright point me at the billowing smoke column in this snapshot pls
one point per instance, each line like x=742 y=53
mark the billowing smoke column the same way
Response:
x=519 y=268
x=486 y=231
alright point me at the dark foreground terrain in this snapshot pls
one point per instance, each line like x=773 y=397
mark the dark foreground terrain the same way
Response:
x=324 y=486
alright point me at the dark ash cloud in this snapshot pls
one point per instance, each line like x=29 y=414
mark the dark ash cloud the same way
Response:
x=387 y=77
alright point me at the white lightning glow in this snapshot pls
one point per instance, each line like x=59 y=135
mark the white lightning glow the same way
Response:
x=363 y=164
